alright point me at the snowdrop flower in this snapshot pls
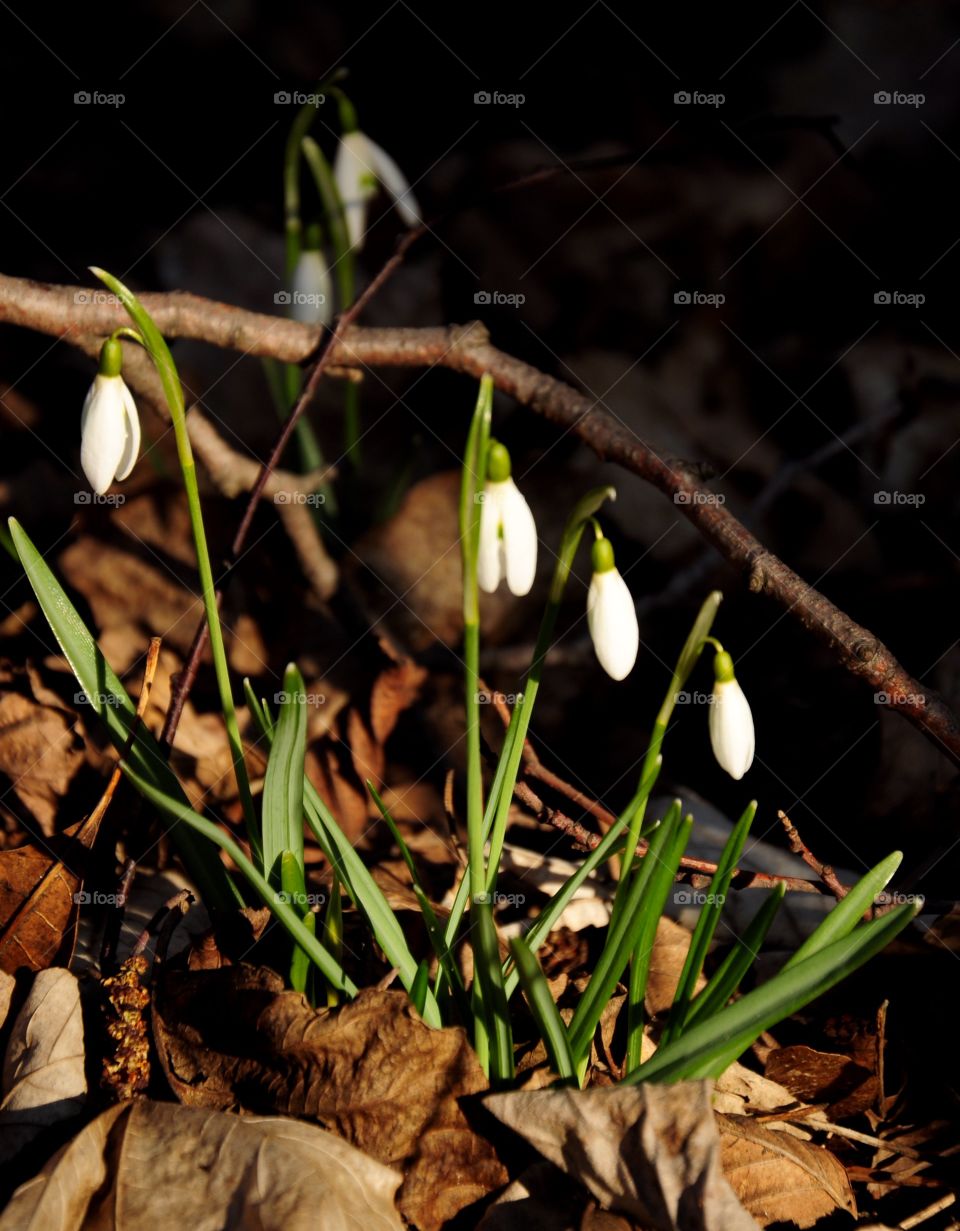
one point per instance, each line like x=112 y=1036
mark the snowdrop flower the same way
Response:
x=109 y=425
x=508 y=534
x=731 y=722
x=311 y=288
x=611 y=614
x=359 y=166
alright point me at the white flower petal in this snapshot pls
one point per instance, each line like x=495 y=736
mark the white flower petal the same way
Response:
x=490 y=554
x=395 y=182
x=103 y=432
x=731 y=729
x=355 y=176
x=519 y=538
x=612 y=618
x=312 y=290
x=131 y=449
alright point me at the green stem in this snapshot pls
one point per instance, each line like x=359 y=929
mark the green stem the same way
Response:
x=692 y=649
x=577 y=522
x=344 y=268
x=687 y=660
x=173 y=391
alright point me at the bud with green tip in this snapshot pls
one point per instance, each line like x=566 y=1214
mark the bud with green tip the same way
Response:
x=611 y=614
x=109 y=424
x=731 y=722
x=508 y=533
x=311 y=288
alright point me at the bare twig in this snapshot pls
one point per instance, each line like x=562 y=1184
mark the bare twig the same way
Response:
x=58 y=311
x=823 y=870
x=695 y=872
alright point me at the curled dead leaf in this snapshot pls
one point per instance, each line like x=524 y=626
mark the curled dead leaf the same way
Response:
x=780 y=1178
x=649 y=1152
x=370 y=1071
x=161 y=1165
x=43 y=1069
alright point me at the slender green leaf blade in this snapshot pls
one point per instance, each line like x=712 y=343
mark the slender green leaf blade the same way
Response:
x=621 y=938
x=544 y=1010
x=707 y=923
x=746 y=949
x=283 y=784
x=709 y=1047
x=850 y=909
x=109 y=700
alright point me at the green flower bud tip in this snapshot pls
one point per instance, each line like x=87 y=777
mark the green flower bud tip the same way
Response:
x=313 y=238
x=498 y=462
x=601 y=556
x=723 y=667
x=111 y=358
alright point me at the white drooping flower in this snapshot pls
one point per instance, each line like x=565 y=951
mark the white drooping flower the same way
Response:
x=311 y=289
x=731 y=722
x=109 y=425
x=361 y=165
x=611 y=614
x=508 y=533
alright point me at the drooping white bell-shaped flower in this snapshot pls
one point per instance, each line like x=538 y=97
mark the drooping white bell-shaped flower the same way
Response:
x=508 y=533
x=731 y=722
x=611 y=614
x=109 y=425
x=311 y=287
x=360 y=165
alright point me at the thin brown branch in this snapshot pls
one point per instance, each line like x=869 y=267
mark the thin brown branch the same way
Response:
x=823 y=870
x=695 y=872
x=67 y=312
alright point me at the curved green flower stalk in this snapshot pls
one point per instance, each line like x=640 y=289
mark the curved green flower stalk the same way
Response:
x=159 y=353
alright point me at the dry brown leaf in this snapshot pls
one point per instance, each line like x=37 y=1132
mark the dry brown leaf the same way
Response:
x=38 y=899
x=414 y=554
x=779 y=1178
x=542 y=1198
x=371 y=1071
x=8 y=985
x=43 y=1071
x=650 y=1152
x=161 y=1165
x=825 y=1077
x=127 y=591
x=670 y=947
x=40 y=749
x=740 y=1090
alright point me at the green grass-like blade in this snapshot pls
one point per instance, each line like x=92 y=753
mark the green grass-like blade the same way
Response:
x=294 y=887
x=621 y=938
x=109 y=700
x=488 y=973
x=727 y=977
x=283 y=784
x=607 y=847
x=850 y=909
x=285 y=914
x=642 y=952
x=362 y=889
x=544 y=1010
x=708 y=1048
x=707 y=922
x=432 y=924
